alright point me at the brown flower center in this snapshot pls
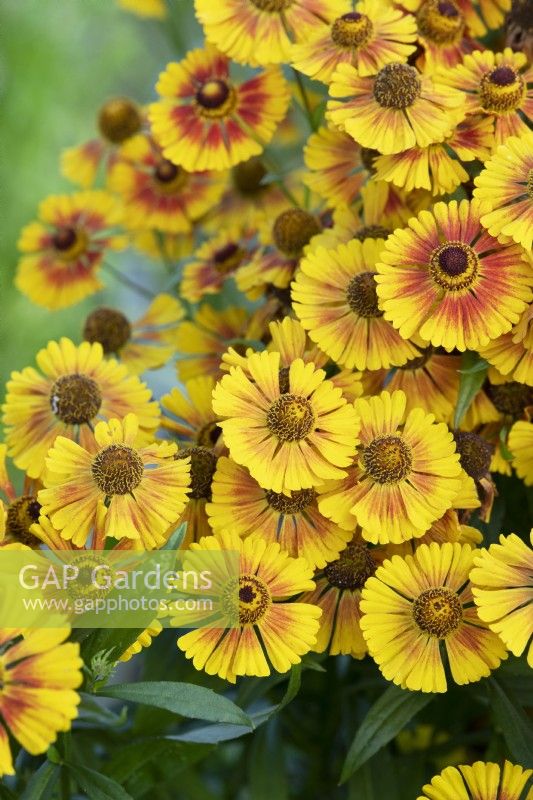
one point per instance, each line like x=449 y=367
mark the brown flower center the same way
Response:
x=293 y=504
x=168 y=178
x=69 y=243
x=475 y=453
x=454 y=266
x=208 y=435
x=387 y=459
x=293 y=229
x=510 y=398
x=290 y=417
x=109 y=327
x=117 y=469
x=247 y=176
x=440 y=21
x=119 y=119
x=228 y=258
x=352 y=30
x=501 y=90
x=438 y=612
x=216 y=98
x=368 y=155
x=203 y=465
x=529 y=187
x=21 y=514
x=397 y=86
x=284 y=380
x=254 y=599
x=371 y=232
x=75 y=399
x=272 y=6
x=418 y=361
x=352 y=568
x=362 y=296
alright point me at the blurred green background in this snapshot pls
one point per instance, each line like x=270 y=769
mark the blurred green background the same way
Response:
x=59 y=61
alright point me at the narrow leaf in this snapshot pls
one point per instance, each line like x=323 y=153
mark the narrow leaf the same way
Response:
x=516 y=727
x=97 y=786
x=41 y=782
x=267 y=750
x=185 y=699
x=389 y=714
x=473 y=373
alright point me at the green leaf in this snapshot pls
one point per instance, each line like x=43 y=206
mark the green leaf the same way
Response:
x=131 y=758
x=41 y=782
x=97 y=786
x=267 y=764
x=515 y=725
x=473 y=373
x=185 y=699
x=174 y=543
x=389 y=714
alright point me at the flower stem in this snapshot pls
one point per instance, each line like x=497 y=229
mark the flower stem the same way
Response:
x=305 y=99
x=126 y=281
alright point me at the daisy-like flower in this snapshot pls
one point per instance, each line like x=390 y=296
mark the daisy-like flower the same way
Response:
x=203 y=462
x=430 y=381
x=447 y=279
x=260 y=32
x=520 y=444
x=334 y=296
x=189 y=415
x=367 y=38
x=144 y=488
x=21 y=512
x=74 y=390
x=146 y=343
x=506 y=184
x=145 y=8
x=482 y=780
x=40 y=673
x=338 y=166
x=289 y=440
x=240 y=504
x=498 y=85
x=503 y=592
x=394 y=110
x=144 y=640
x=157 y=194
x=338 y=594
x=63 y=251
x=418 y=607
x=483 y=15
x=406 y=475
x=438 y=167
x=512 y=353
x=118 y=119
x=216 y=261
x=442 y=33
x=205 y=120
x=272 y=630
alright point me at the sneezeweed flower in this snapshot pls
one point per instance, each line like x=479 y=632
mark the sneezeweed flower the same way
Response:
x=338 y=594
x=483 y=780
x=367 y=38
x=445 y=278
x=146 y=343
x=483 y=15
x=144 y=640
x=144 y=488
x=240 y=504
x=506 y=184
x=203 y=462
x=75 y=389
x=334 y=296
x=189 y=415
x=21 y=510
x=118 y=119
x=290 y=437
x=260 y=32
x=157 y=194
x=496 y=84
x=503 y=592
x=442 y=33
x=63 y=251
x=438 y=167
x=145 y=8
x=418 y=607
x=512 y=353
x=216 y=261
x=430 y=380
x=338 y=166
x=205 y=120
x=158 y=245
x=394 y=110
x=520 y=444
x=273 y=631
x=40 y=673
x=405 y=476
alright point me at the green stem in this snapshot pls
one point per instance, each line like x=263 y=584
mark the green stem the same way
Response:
x=305 y=99
x=278 y=180
x=164 y=256
x=126 y=281
x=65 y=784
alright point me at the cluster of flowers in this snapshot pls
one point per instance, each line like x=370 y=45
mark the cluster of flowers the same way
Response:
x=315 y=428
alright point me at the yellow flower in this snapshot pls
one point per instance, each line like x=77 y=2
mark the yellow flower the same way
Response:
x=191 y=418
x=144 y=488
x=480 y=781
x=521 y=446
x=405 y=476
x=292 y=439
x=37 y=696
x=339 y=167
x=512 y=353
x=430 y=381
x=77 y=389
x=503 y=592
x=413 y=605
x=63 y=251
x=271 y=626
x=442 y=33
x=143 y=640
